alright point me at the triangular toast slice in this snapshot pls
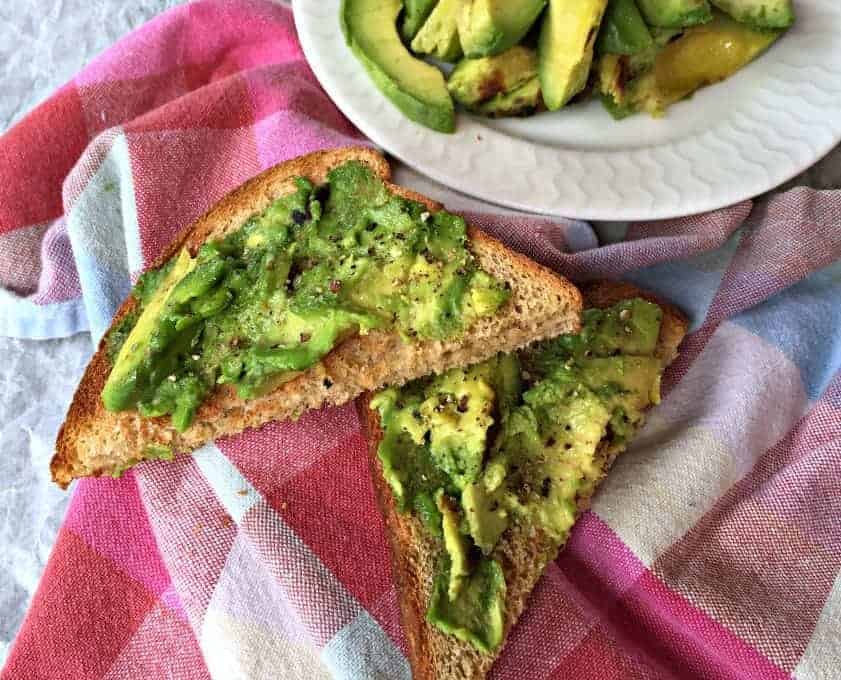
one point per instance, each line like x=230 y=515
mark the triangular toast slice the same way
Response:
x=94 y=441
x=523 y=551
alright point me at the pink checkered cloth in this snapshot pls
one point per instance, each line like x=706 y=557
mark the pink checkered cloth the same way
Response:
x=712 y=550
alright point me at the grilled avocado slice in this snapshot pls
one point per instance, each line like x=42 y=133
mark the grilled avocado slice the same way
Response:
x=565 y=48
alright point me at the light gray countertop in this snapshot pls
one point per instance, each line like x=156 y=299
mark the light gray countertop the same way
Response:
x=42 y=45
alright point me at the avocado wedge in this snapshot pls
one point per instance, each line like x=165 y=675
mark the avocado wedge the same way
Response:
x=122 y=384
x=675 y=13
x=702 y=55
x=498 y=86
x=438 y=37
x=415 y=13
x=489 y=27
x=759 y=13
x=565 y=49
x=523 y=100
x=623 y=29
x=416 y=88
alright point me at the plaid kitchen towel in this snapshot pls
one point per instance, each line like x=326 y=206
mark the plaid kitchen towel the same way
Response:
x=712 y=551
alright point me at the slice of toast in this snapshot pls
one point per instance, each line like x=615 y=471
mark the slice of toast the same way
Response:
x=94 y=441
x=524 y=551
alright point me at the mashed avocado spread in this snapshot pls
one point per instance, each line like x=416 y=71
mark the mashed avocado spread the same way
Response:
x=518 y=439
x=273 y=297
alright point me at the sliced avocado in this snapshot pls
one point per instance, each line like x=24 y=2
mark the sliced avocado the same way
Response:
x=616 y=75
x=476 y=615
x=623 y=29
x=675 y=13
x=702 y=56
x=565 y=48
x=610 y=82
x=455 y=544
x=521 y=101
x=415 y=13
x=121 y=388
x=418 y=89
x=502 y=85
x=489 y=27
x=438 y=37
x=474 y=81
x=759 y=13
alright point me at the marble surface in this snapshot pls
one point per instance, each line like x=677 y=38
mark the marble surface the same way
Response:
x=42 y=44
x=37 y=380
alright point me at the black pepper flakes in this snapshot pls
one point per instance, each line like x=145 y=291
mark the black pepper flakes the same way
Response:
x=546 y=487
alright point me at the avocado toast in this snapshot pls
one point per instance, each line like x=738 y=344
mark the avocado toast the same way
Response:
x=481 y=473
x=310 y=284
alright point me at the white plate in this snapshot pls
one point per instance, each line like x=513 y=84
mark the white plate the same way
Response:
x=730 y=142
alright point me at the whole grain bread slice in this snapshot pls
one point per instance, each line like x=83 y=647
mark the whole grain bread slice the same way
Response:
x=94 y=441
x=524 y=551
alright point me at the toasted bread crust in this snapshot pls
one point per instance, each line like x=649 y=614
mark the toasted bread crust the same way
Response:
x=93 y=441
x=412 y=603
x=523 y=552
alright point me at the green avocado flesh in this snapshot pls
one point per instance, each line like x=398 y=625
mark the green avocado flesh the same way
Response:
x=273 y=297
x=488 y=27
x=678 y=64
x=502 y=85
x=415 y=13
x=623 y=29
x=438 y=37
x=415 y=87
x=675 y=13
x=759 y=13
x=518 y=439
x=521 y=57
x=565 y=48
